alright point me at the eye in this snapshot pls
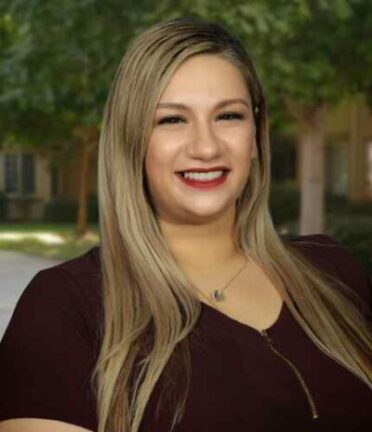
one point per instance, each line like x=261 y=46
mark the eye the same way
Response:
x=231 y=116
x=170 y=120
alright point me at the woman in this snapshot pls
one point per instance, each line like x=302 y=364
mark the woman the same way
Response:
x=193 y=315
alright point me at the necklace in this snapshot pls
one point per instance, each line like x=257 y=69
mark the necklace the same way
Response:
x=219 y=295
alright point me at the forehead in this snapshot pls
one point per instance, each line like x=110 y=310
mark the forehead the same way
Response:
x=209 y=75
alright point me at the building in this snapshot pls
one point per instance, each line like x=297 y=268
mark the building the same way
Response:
x=29 y=181
x=349 y=151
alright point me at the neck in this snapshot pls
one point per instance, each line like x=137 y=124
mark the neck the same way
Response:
x=202 y=247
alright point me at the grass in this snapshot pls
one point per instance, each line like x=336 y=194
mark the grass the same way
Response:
x=44 y=227
x=30 y=241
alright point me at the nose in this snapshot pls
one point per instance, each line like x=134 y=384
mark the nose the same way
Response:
x=204 y=143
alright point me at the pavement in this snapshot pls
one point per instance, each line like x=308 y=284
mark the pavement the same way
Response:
x=16 y=271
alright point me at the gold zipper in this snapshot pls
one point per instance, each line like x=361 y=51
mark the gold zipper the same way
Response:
x=313 y=409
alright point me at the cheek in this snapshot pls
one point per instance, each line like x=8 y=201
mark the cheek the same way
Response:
x=158 y=165
x=153 y=159
x=244 y=147
x=160 y=154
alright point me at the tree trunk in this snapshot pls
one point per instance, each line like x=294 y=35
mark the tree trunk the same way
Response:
x=311 y=163
x=357 y=158
x=88 y=140
x=312 y=141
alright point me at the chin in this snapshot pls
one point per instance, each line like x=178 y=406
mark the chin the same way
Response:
x=206 y=214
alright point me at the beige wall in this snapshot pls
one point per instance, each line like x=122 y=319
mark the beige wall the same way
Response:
x=42 y=178
x=350 y=125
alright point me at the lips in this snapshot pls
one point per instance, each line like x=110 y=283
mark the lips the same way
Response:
x=204 y=170
x=203 y=184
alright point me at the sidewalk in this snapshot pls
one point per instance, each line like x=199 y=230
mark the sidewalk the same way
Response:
x=16 y=271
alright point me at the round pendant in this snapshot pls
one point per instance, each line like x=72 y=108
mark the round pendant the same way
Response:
x=218 y=295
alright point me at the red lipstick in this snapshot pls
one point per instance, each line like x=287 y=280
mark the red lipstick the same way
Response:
x=204 y=184
x=217 y=168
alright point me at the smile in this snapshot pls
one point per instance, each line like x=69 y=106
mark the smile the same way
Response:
x=203 y=180
x=202 y=176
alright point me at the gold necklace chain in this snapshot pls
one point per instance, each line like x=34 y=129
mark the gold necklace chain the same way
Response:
x=219 y=295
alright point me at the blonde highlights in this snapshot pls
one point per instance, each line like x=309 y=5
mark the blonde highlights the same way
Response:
x=149 y=304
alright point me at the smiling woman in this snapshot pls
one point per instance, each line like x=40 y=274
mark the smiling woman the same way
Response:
x=193 y=314
x=209 y=139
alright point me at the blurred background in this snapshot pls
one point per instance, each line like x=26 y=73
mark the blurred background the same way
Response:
x=57 y=60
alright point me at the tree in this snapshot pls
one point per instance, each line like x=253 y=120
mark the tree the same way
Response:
x=312 y=74
x=62 y=57
x=59 y=61
x=299 y=49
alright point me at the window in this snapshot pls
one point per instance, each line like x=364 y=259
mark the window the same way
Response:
x=20 y=173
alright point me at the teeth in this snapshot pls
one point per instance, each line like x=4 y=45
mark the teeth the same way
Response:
x=203 y=176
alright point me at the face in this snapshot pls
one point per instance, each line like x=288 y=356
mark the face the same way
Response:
x=204 y=121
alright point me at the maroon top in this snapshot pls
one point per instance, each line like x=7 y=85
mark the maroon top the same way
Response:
x=239 y=382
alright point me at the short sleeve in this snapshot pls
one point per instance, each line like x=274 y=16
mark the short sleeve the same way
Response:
x=46 y=356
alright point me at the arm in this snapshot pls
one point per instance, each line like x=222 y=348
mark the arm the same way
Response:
x=38 y=425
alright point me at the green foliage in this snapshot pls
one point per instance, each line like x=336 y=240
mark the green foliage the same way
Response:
x=57 y=59
x=284 y=203
x=355 y=232
x=92 y=209
x=71 y=248
x=307 y=51
x=60 y=210
x=350 y=224
x=340 y=206
x=355 y=56
x=304 y=60
x=28 y=242
x=3 y=206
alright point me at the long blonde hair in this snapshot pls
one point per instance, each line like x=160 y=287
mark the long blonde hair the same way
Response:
x=149 y=305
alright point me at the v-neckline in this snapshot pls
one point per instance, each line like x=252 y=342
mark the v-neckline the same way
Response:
x=234 y=323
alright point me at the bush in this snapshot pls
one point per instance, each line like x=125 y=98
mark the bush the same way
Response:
x=3 y=206
x=284 y=203
x=340 y=205
x=65 y=210
x=92 y=209
x=60 y=210
x=349 y=223
x=355 y=233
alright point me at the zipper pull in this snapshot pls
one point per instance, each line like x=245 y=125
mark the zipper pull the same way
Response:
x=266 y=336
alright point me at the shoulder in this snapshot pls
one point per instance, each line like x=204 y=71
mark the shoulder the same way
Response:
x=312 y=241
x=68 y=293
x=82 y=271
x=72 y=288
x=60 y=299
x=331 y=258
x=50 y=346
x=324 y=251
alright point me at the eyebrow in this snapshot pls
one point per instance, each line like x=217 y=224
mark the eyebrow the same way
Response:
x=219 y=105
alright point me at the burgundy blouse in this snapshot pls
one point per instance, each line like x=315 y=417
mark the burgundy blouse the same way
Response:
x=242 y=379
